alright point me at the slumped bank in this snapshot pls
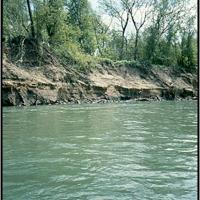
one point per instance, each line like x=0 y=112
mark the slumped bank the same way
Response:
x=50 y=84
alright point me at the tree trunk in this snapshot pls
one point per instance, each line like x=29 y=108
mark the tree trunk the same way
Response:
x=136 y=45
x=122 y=47
x=31 y=19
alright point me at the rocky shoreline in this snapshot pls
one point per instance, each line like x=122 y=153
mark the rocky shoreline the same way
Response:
x=103 y=83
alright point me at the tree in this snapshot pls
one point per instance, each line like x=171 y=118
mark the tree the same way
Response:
x=31 y=18
x=80 y=16
x=163 y=30
x=101 y=31
x=134 y=7
x=188 y=47
x=166 y=15
x=120 y=12
x=15 y=17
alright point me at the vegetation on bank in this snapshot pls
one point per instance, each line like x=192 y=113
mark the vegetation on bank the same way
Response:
x=162 y=32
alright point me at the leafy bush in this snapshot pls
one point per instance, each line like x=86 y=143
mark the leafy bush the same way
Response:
x=106 y=61
x=128 y=63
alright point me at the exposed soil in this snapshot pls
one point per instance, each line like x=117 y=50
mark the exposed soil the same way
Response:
x=50 y=84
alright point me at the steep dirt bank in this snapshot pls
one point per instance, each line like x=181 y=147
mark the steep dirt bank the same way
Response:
x=51 y=84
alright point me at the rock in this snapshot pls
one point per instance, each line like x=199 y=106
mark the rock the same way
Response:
x=142 y=99
x=51 y=84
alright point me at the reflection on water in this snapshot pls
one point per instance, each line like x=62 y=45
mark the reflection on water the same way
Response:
x=113 y=151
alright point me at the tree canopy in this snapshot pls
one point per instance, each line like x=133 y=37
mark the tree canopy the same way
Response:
x=158 y=31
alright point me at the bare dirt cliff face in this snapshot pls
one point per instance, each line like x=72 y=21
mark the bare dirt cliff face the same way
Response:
x=51 y=84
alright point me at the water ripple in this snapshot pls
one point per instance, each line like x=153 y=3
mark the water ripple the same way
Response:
x=112 y=151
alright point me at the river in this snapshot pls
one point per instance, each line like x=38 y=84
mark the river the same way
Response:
x=125 y=151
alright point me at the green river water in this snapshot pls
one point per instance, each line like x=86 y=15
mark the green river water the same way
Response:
x=125 y=151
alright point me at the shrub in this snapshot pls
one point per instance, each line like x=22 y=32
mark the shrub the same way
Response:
x=128 y=63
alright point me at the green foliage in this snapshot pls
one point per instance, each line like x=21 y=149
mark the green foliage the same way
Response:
x=80 y=16
x=71 y=53
x=128 y=63
x=79 y=36
x=105 y=61
x=50 y=18
x=101 y=35
x=15 y=17
x=113 y=47
x=188 y=51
